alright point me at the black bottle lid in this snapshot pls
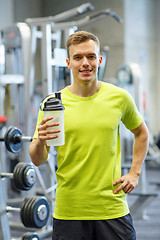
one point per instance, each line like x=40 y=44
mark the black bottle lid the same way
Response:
x=53 y=103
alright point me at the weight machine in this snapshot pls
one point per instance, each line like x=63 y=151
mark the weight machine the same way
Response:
x=34 y=211
x=38 y=212
x=14 y=40
x=53 y=33
x=129 y=77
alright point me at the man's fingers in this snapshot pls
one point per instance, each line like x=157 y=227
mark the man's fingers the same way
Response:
x=128 y=188
x=46 y=130
x=120 y=180
x=49 y=131
x=47 y=137
x=46 y=124
x=46 y=119
x=122 y=186
x=126 y=183
x=49 y=134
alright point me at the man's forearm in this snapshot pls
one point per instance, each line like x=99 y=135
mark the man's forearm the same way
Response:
x=140 y=148
x=38 y=152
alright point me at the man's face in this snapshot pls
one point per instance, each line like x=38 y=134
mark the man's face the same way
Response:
x=84 y=61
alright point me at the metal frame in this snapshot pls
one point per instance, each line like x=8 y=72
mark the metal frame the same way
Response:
x=86 y=7
x=50 y=35
x=49 y=31
x=143 y=197
x=4 y=222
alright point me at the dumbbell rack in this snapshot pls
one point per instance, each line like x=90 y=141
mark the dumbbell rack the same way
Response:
x=38 y=209
x=4 y=222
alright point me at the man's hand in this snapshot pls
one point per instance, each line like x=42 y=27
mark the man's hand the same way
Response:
x=128 y=183
x=38 y=149
x=45 y=130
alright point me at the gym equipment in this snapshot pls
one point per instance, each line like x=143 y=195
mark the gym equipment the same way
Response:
x=24 y=176
x=30 y=236
x=83 y=8
x=49 y=31
x=34 y=212
x=38 y=211
x=3 y=121
x=14 y=139
x=14 y=52
x=129 y=77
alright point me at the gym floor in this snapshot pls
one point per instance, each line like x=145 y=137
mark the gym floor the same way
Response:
x=148 y=228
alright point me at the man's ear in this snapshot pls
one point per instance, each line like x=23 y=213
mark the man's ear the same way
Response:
x=68 y=63
x=100 y=60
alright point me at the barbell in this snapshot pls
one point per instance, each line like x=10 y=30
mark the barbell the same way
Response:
x=30 y=236
x=34 y=211
x=24 y=176
x=14 y=139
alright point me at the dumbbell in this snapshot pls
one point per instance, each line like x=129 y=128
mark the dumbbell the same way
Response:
x=34 y=212
x=14 y=139
x=30 y=236
x=24 y=176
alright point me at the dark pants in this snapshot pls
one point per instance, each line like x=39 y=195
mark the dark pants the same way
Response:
x=112 y=229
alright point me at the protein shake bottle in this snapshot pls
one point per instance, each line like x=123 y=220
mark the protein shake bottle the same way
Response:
x=54 y=107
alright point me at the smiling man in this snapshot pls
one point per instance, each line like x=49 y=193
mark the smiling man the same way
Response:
x=84 y=59
x=91 y=193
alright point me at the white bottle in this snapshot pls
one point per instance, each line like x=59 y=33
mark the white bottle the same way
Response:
x=53 y=107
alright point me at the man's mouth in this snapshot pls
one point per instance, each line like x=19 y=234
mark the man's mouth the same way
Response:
x=86 y=70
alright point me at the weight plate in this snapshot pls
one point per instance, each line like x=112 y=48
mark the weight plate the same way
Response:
x=34 y=212
x=7 y=143
x=21 y=179
x=30 y=212
x=39 y=223
x=29 y=176
x=26 y=213
x=19 y=185
x=30 y=236
x=17 y=176
x=12 y=145
x=23 y=212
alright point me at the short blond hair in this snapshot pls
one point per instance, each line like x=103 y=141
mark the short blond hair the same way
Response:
x=79 y=37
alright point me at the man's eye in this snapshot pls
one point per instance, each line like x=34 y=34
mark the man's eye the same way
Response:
x=92 y=57
x=77 y=58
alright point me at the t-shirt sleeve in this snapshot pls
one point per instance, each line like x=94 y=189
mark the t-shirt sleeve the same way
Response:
x=39 y=119
x=131 y=117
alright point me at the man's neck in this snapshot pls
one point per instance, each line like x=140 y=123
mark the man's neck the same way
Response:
x=85 y=89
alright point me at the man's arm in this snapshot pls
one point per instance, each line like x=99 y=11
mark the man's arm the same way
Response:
x=38 y=149
x=140 y=147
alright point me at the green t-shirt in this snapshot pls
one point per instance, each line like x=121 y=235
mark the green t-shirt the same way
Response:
x=90 y=160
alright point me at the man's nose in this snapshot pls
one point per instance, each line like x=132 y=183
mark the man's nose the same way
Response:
x=85 y=62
